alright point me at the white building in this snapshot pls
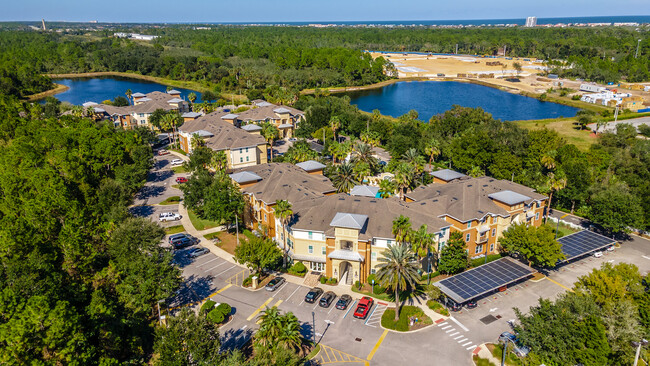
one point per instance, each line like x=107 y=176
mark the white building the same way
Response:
x=531 y=22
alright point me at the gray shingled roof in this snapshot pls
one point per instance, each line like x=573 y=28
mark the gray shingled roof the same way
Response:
x=447 y=174
x=245 y=177
x=509 y=197
x=251 y=127
x=89 y=104
x=366 y=191
x=203 y=133
x=137 y=95
x=281 y=110
x=173 y=91
x=349 y=220
x=190 y=114
x=311 y=165
x=175 y=100
x=230 y=116
x=346 y=255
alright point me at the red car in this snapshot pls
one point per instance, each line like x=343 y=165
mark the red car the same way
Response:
x=181 y=180
x=163 y=152
x=363 y=308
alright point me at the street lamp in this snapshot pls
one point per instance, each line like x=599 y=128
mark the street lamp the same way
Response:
x=637 y=48
x=505 y=349
x=159 y=315
x=638 y=346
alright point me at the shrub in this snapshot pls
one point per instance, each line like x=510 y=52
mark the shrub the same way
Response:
x=437 y=307
x=224 y=308
x=370 y=278
x=378 y=290
x=433 y=292
x=332 y=281
x=323 y=280
x=207 y=306
x=425 y=276
x=299 y=267
x=357 y=284
x=216 y=316
x=248 y=281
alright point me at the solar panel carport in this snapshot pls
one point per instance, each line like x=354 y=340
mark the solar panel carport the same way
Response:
x=583 y=242
x=481 y=280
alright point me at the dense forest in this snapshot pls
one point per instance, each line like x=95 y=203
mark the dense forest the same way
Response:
x=608 y=183
x=249 y=60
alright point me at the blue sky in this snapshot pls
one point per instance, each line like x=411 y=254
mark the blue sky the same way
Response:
x=310 y=10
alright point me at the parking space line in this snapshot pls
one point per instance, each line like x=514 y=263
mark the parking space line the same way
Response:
x=211 y=260
x=376 y=347
x=350 y=308
x=211 y=268
x=559 y=284
x=226 y=270
x=294 y=291
x=277 y=303
x=221 y=290
x=259 y=309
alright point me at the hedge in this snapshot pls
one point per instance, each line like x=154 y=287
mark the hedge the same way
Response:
x=207 y=306
x=216 y=316
x=224 y=308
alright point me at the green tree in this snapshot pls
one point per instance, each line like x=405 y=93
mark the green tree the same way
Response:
x=536 y=244
x=397 y=270
x=344 y=178
x=432 y=149
x=208 y=96
x=187 y=339
x=277 y=330
x=191 y=97
x=453 y=256
x=284 y=212
x=402 y=229
x=615 y=208
x=258 y=253
x=403 y=178
x=128 y=95
x=270 y=134
x=422 y=241
x=387 y=188
x=211 y=197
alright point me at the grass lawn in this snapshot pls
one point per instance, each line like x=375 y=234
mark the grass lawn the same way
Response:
x=174 y=229
x=201 y=224
x=173 y=200
x=313 y=352
x=565 y=127
x=177 y=186
x=179 y=169
x=178 y=151
x=406 y=315
x=227 y=241
x=497 y=351
x=564 y=230
x=366 y=290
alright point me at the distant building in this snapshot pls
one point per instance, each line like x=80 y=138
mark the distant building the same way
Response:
x=142 y=37
x=531 y=21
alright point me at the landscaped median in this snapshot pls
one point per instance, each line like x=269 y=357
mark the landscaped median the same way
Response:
x=411 y=318
x=173 y=200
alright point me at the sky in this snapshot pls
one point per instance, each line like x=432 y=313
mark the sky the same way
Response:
x=230 y=11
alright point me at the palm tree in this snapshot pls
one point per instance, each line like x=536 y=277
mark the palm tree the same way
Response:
x=284 y=212
x=476 y=172
x=168 y=123
x=413 y=157
x=289 y=337
x=362 y=152
x=77 y=111
x=270 y=327
x=422 y=241
x=270 y=134
x=335 y=124
x=403 y=178
x=219 y=160
x=128 y=93
x=197 y=141
x=432 y=149
x=402 y=229
x=169 y=88
x=387 y=188
x=548 y=160
x=344 y=178
x=555 y=183
x=397 y=270
x=191 y=97
x=371 y=138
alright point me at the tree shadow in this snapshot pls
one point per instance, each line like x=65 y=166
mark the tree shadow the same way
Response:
x=233 y=339
x=193 y=289
x=149 y=192
x=141 y=211
x=159 y=176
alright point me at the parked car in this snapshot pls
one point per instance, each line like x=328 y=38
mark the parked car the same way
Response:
x=453 y=305
x=521 y=351
x=610 y=248
x=181 y=180
x=313 y=295
x=293 y=139
x=176 y=162
x=197 y=252
x=326 y=299
x=163 y=152
x=176 y=237
x=169 y=216
x=598 y=254
x=181 y=243
x=471 y=304
x=275 y=283
x=363 y=308
x=343 y=302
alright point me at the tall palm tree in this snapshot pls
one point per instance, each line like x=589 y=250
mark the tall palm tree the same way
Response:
x=335 y=124
x=128 y=93
x=548 y=160
x=289 y=337
x=270 y=327
x=191 y=97
x=401 y=229
x=476 y=172
x=422 y=241
x=77 y=111
x=270 y=134
x=283 y=212
x=219 y=160
x=197 y=141
x=397 y=270
x=413 y=157
x=344 y=178
x=403 y=178
x=362 y=152
x=432 y=149
x=556 y=183
x=387 y=188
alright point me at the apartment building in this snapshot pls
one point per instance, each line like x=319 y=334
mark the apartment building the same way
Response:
x=242 y=148
x=285 y=118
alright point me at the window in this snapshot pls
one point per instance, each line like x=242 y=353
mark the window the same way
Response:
x=479 y=249
x=536 y=216
x=537 y=204
x=265 y=219
x=469 y=224
x=491 y=247
x=318 y=267
x=323 y=250
x=388 y=242
x=494 y=232
x=372 y=271
x=373 y=256
x=441 y=245
x=467 y=237
x=310 y=235
x=494 y=219
x=246 y=150
x=290 y=243
x=240 y=150
x=241 y=159
x=246 y=158
x=311 y=249
x=141 y=114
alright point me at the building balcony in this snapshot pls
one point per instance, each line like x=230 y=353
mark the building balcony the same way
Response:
x=482 y=239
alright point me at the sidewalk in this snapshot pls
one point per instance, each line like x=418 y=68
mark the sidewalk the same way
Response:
x=189 y=228
x=484 y=352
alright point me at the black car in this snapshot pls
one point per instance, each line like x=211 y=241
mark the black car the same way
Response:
x=177 y=237
x=313 y=295
x=275 y=283
x=327 y=299
x=454 y=306
x=343 y=302
x=181 y=243
x=470 y=304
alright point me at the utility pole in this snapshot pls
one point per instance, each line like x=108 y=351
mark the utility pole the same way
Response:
x=638 y=43
x=638 y=345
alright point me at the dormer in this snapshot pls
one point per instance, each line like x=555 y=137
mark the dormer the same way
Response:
x=245 y=179
x=190 y=116
x=312 y=167
x=230 y=118
x=509 y=200
x=446 y=175
x=252 y=128
x=137 y=96
x=141 y=100
x=347 y=227
x=174 y=92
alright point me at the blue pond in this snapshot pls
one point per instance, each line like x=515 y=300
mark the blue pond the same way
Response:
x=430 y=98
x=99 y=89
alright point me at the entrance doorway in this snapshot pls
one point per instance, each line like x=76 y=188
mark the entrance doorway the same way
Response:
x=345 y=269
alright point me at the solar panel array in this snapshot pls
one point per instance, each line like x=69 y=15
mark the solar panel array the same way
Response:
x=583 y=242
x=478 y=281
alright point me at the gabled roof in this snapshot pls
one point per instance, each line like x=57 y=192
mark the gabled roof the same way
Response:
x=173 y=91
x=509 y=197
x=263 y=104
x=89 y=104
x=137 y=95
x=251 y=127
x=230 y=116
x=311 y=165
x=365 y=191
x=447 y=174
x=285 y=125
x=281 y=110
x=226 y=136
x=175 y=100
x=245 y=177
x=346 y=255
x=191 y=115
x=349 y=220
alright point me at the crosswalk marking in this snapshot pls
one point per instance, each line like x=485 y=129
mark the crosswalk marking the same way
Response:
x=443 y=323
x=453 y=334
x=470 y=342
x=462 y=340
x=449 y=326
x=450 y=330
x=471 y=347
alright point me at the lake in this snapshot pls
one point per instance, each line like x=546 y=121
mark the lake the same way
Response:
x=430 y=98
x=99 y=89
